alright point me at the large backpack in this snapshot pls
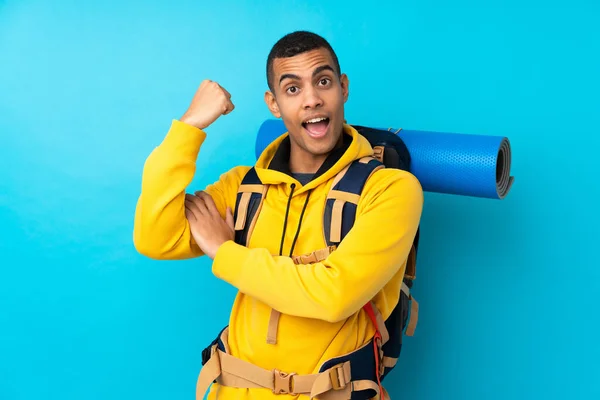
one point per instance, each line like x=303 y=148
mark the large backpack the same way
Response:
x=369 y=363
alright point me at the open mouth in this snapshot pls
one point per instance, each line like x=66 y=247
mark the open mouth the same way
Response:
x=316 y=127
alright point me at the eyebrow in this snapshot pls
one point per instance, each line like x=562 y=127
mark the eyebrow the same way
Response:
x=315 y=72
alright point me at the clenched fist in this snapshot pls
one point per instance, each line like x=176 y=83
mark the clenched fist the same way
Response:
x=209 y=103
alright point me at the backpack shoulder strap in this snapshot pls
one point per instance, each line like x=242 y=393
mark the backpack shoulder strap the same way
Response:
x=340 y=212
x=342 y=199
x=249 y=200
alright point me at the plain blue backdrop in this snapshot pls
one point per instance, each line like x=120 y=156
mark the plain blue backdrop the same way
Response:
x=508 y=289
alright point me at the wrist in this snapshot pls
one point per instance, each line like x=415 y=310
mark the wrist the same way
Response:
x=229 y=260
x=212 y=253
x=186 y=119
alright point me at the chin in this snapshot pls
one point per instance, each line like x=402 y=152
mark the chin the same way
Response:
x=323 y=146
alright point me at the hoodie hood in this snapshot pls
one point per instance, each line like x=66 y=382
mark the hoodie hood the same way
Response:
x=272 y=166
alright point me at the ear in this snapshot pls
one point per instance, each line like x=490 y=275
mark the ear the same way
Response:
x=345 y=83
x=272 y=104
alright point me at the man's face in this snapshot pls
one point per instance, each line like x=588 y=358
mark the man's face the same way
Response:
x=309 y=96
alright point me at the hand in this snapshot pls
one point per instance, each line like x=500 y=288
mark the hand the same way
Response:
x=209 y=230
x=209 y=103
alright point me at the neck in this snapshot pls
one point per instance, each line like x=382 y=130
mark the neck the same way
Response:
x=306 y=163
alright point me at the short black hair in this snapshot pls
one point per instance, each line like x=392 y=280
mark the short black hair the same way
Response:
x=296 y=43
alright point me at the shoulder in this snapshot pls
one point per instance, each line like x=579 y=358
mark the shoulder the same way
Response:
x=236 y=174
x=224 y=190
x=230 y=180
x=392 y=186
x=394 y=176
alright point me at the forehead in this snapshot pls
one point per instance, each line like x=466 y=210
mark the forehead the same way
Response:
x=302 y=64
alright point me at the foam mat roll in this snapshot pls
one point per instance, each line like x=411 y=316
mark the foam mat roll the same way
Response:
x=450 y=163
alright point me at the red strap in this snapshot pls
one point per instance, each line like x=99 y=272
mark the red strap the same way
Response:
x=371 y=313
x=369 y=309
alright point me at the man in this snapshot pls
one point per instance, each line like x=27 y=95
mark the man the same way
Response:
x=288 y=316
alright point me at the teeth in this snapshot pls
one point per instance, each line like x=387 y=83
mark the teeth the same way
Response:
x=315 y=120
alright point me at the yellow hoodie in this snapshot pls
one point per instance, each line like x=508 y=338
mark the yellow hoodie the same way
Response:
x=320 y=303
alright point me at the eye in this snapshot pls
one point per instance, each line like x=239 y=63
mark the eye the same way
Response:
x=324 y=81
x=292 y=90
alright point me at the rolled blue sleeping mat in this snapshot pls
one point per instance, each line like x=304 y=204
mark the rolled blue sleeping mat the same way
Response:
x=449 y=163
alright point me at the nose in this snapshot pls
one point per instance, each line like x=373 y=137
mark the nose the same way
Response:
x=312 y=99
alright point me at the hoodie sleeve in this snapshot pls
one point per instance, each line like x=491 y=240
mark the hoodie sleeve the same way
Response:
x=376 y=249
x=161 y=230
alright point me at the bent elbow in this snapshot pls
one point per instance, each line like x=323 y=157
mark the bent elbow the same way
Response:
x=145 y=247
x=333 y=316
x=176 y=249
x=339 y=310
x=146 y=244
x=338 y=314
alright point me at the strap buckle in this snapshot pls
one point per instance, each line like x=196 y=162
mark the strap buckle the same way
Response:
x=283 y=382
x=336 y=376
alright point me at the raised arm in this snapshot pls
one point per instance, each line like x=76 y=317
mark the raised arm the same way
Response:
x=161 y=230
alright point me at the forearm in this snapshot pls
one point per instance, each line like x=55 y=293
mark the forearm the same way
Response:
x=370 y=255
x=327 y=290
x=161 y=229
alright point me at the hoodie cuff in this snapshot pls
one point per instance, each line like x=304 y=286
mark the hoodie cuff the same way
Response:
x=228 y=262
x=184 y=139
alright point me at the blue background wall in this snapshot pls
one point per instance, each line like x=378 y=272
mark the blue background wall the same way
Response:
x=508 y=289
